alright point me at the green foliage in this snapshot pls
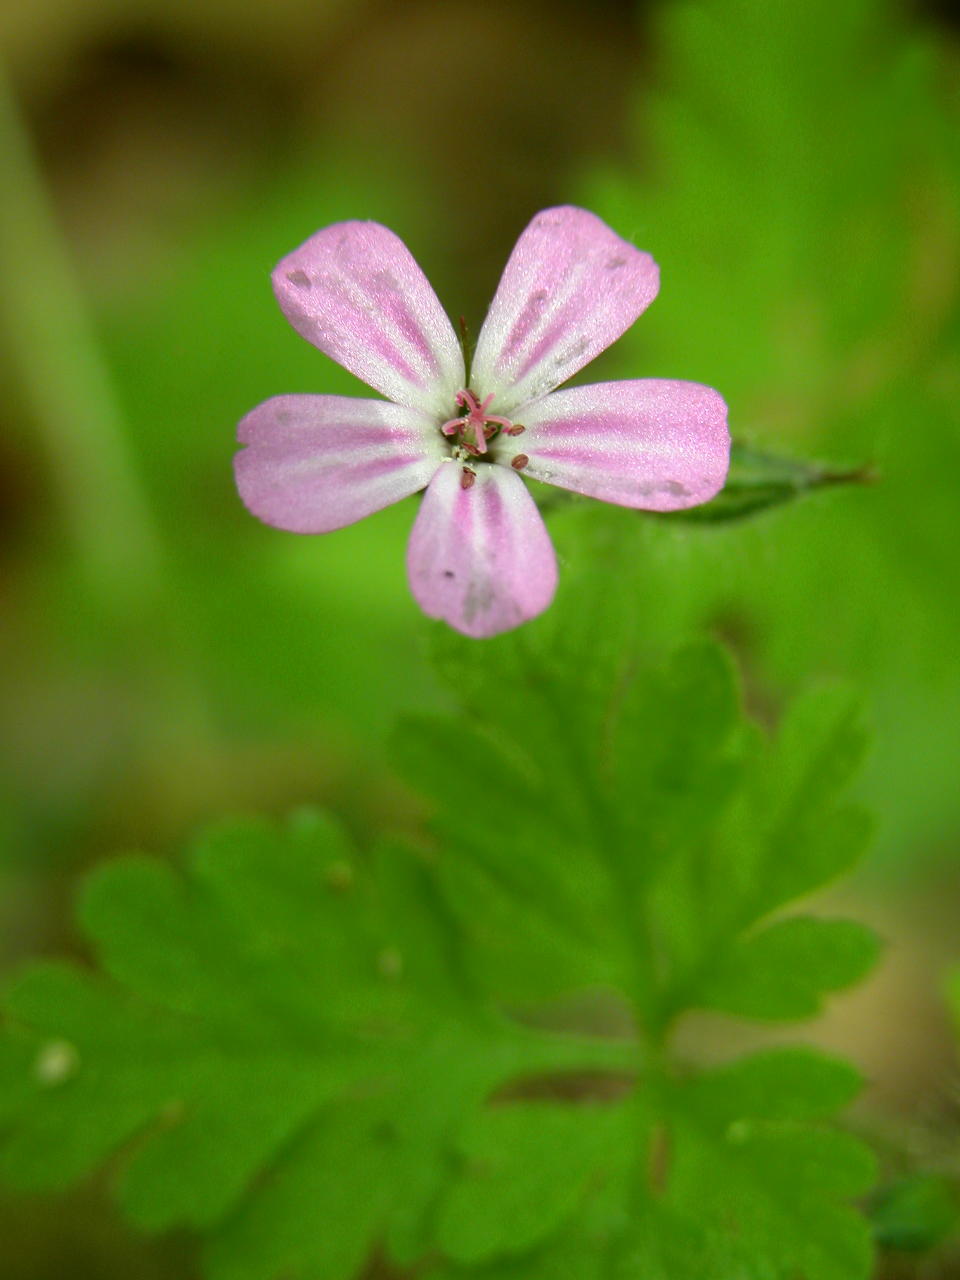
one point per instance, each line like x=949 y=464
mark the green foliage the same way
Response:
x=794 y=170
x=784 y=970
x=527 y=1167
x=798 y=146
x=276 y=1009
x=307 y=1052
x=916 y=1213
x=691 y=805
x=747 y=1154
x=738 y=1179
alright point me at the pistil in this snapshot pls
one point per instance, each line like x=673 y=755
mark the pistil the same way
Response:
x=477 y=425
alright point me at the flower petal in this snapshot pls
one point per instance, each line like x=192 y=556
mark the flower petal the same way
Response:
x=481 y=557
x=355 y=291
x=316 y=463
x=571 y=287
x=652 y=443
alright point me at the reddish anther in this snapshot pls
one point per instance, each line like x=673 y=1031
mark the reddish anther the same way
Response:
x=467 y=478
x=519 y=462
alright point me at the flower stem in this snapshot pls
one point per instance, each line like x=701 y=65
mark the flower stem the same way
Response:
x=64 y=381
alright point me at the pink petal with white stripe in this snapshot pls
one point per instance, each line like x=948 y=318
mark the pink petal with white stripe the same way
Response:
x=480 y=557
x=571 y=287
x=355 y=291
x=652 y=443
x=316 y=463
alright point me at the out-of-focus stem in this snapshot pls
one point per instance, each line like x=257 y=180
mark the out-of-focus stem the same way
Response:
x=57 y=362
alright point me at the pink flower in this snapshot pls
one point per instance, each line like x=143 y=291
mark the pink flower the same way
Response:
x=479 y=555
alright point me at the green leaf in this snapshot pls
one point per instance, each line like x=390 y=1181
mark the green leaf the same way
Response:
x=813 y=836
x=615 y=806
x=767 y=1199
x=526 y=1168
x=517 y=873
x=700 y=826
x=727 y=1174
x=761 y=1180
x=675 y=751
x=785 y=970
x=306 y=1053
x=288 y=1040
x=594 y=780
x=319 y=1212
x=783 y=1084
x=787 y=831
x=72 y=1111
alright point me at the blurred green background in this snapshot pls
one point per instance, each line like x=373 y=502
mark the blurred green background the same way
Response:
x=794 y=170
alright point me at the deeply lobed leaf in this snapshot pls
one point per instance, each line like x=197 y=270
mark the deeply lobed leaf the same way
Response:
x=286 y=1040
x=309 y=1054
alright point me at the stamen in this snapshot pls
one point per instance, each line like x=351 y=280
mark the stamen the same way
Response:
x=519 y=462
x=515 y=429
x=467 y=477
